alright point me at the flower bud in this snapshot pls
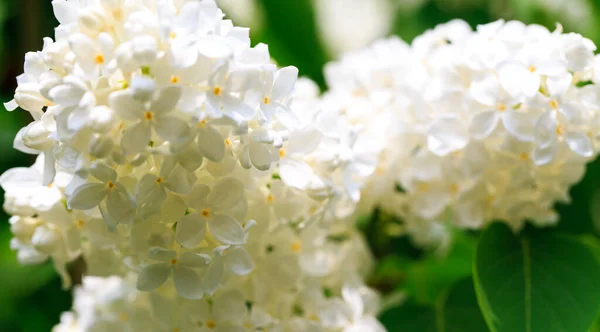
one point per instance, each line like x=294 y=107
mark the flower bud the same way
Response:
x=28 y=97
x=144 y=50
x=100 y=146
x=101 y=119
x=23 y=227
x=143 y=87
x=45 y=240
x=91 y=21
x=37 y=137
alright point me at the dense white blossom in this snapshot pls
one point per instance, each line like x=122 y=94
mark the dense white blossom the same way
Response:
x=478 y=126
x=175 y=162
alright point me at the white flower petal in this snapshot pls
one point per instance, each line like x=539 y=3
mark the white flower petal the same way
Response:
x=211 y=143
x=180 y=181
x=190 y=230
x=103 y=172
x=558 y=85
x=124 y=105
x=485 y=90
x=580 y=143
x=484 y=123
x=49 y=167
x=447 y=134
x=135 y=138
x=172 y=129
x=295 y=173
x=187 y=283
x=226 y=193
x=214 y=49
x=240 y=110
x=284 y=82
x=545 y=130
x=520 y=124
x=260 y=156
x=213 y=275
x=517 y=80
x=543 y=155
x=120 y=205
x=239 y=261
x=166 y=100
x=190 y=158
x=87 y=196
x=161 y=254
x=304 y=141
x=226 y=229
x=194 y=260
x=153 y=276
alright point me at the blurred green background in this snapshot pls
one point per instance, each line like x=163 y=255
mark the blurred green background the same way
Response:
x=307 y=34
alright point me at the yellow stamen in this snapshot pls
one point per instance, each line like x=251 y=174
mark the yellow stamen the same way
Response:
x=453 y=189
x=99 y=59
x=205 y=213
x=270 y=198
x=201 y=124
x=282 y=153
x=110 y=185
x=211 y=324
x=149 y=116
x=296 y=246
x=360 y=92
x=532 y=68
x=160 y=180
x=217 y=91
x=523 y=156
x=554 y=103
x=501 y=107
x=118 y=13
x=267 y=100
x=173 y=261
x=175 y=79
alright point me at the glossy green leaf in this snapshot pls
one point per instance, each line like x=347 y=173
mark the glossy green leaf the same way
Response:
x=455 y=311
x=542 y=282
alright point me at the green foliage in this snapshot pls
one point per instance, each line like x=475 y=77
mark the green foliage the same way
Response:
x=291 y=33
x=428 y=278
x=536 y=282
x=455 y=310
x=583 y=212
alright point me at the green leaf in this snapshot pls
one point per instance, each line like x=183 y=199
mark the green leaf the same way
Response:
x=455 y=311
x=428 y=278
x=582 y=215
x=18 y=281
x=540 y=282
x=291 y=33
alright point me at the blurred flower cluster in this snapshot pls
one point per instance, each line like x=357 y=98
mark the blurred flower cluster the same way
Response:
x=470 y=127
x=174 y=160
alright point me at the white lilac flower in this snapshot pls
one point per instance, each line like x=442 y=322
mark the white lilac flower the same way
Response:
x=175 y=162
x=478 y=123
